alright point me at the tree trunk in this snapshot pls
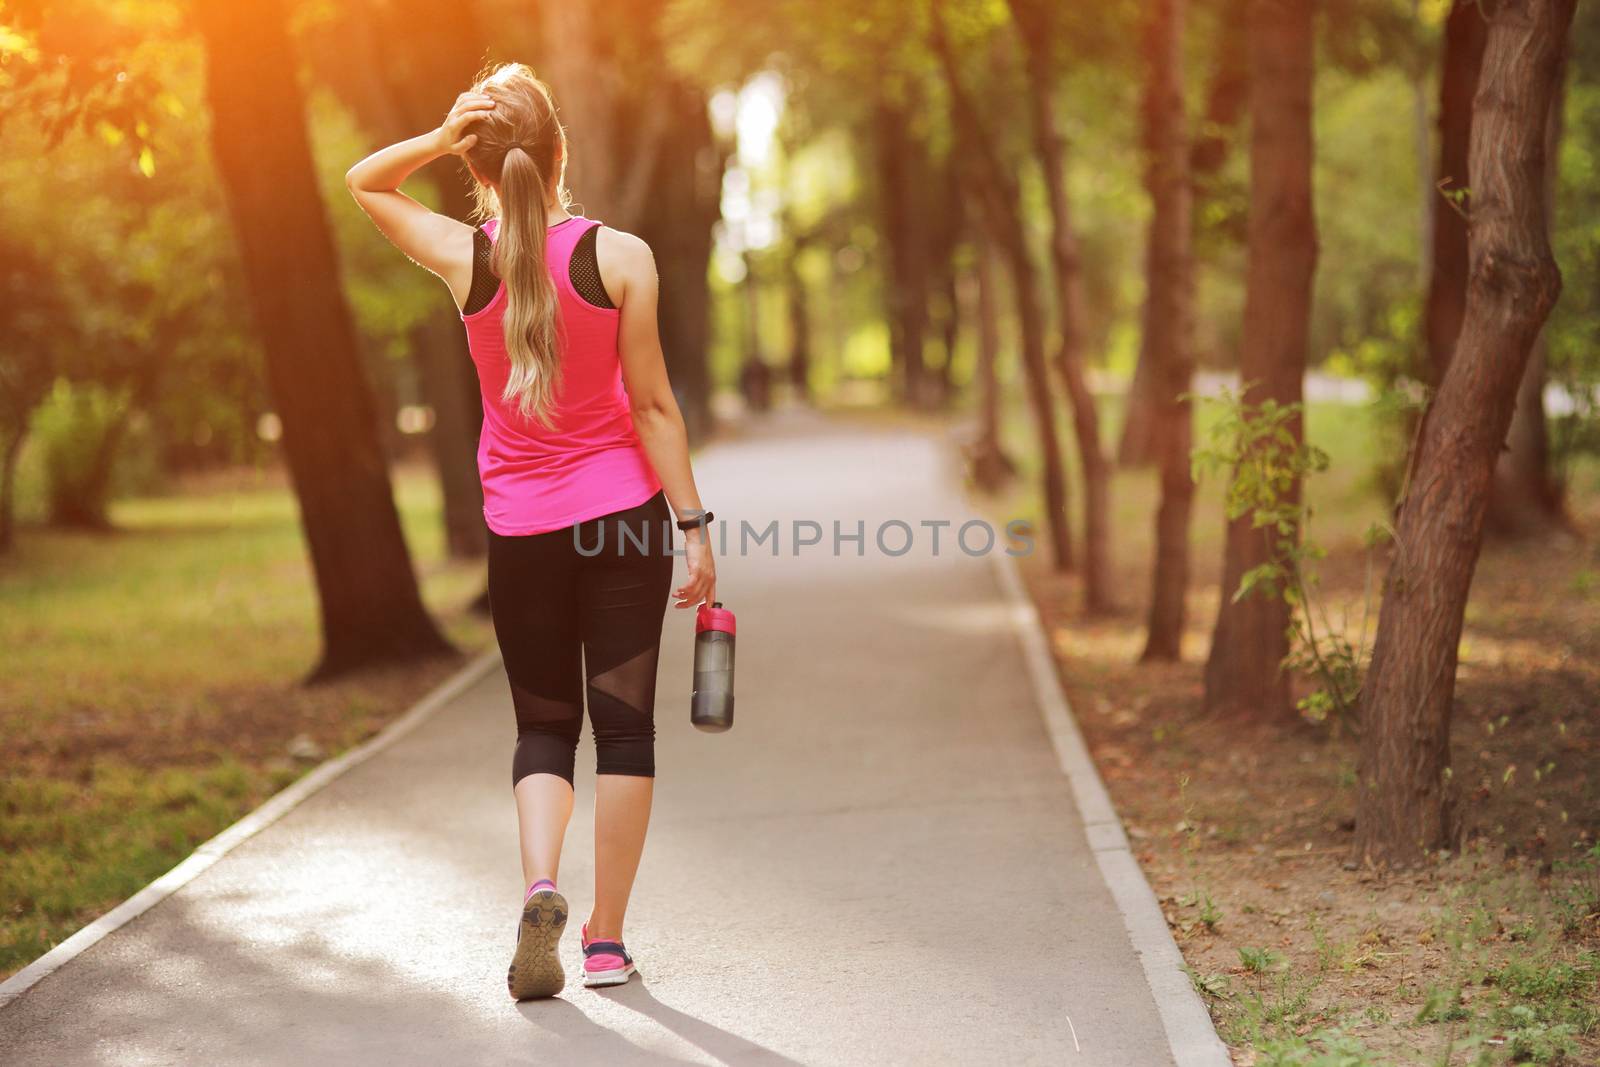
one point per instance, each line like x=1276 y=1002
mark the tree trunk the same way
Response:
x=998 y=195
x=1034 y=24
x=1244 y=674
x=991 y=467
x=1226 y=95
x=453 y=437
x=399 y=68
x=1167 y=350
x=1404 y=805
x=682 y=206
x=1464 y=34
x=371 y=609
x=8 y=486
x=1227 y=92
x=1524 y=497
x=799 y=305
x=901 y=165
x=1422 y=145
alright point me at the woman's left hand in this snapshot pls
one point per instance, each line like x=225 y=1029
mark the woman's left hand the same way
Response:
x=701 y=588
x=468 y=108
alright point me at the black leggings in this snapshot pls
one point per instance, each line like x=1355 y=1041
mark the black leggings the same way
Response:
x=570 y=621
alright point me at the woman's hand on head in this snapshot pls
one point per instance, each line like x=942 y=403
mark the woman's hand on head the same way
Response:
x=701 y=586
x=468 y=108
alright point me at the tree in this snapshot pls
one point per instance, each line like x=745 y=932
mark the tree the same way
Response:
x=28 y=330
x=991 y=467
x=371 y=609
x=995 y=190
x=643 y=159
x=1465 y=32
x=1524 y=496
x=1244 y=674
x=398 y=66
x=902 y=173
x=1227 y=92
x=1035 y=26
x=1166 y=346
x=1404 y=804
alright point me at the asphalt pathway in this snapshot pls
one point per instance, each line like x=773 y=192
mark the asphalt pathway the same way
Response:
x=881 y=863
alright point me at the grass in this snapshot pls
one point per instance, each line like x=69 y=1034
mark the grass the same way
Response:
x=149 y=688
x=1485 y=956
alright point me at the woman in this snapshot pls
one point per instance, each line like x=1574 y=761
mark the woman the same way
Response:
x=583 y=447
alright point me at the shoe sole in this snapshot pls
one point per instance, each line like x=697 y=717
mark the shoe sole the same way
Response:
x=604 y=978
x=536 y=965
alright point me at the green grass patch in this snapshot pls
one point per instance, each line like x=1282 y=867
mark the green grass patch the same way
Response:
x=149 y=687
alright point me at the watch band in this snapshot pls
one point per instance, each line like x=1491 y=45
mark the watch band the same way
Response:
x=702 y=520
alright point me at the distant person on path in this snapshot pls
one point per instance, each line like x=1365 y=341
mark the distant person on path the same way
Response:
x=583 y=447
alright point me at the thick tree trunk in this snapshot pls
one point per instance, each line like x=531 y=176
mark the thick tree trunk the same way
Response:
x=371 y=609
x=1167 y=350
x=1244 y=673
x=399 y=67
x=1034 y=24
x=1525 y=498
x=1464 y=34
x=997 y=193
x=1404 y=804
x=991 y=467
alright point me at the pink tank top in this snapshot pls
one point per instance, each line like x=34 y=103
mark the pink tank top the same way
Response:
x=589 y=462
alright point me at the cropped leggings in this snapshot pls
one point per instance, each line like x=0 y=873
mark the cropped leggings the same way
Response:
x=578 y=611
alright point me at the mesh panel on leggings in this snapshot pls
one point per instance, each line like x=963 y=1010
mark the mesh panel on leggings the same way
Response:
x=584 y=270
x=622 y=714
x=484 y=282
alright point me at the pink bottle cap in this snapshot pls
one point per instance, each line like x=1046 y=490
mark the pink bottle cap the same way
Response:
x=714 y=617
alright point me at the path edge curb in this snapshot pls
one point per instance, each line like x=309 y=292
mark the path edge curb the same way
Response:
x=270 y=811
x=1191 y=1035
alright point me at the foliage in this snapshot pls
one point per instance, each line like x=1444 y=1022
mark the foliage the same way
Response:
x=77 y=429
x=1255 y=444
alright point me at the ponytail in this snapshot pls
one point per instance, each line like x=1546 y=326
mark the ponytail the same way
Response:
x=518 y=158
x=531 y=301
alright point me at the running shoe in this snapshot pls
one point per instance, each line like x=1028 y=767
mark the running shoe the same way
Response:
x=605 y=962
x=536 y=964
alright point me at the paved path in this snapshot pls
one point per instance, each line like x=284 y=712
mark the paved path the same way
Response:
x=881 y=863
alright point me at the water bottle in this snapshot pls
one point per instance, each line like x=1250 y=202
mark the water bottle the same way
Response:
x=711 y=707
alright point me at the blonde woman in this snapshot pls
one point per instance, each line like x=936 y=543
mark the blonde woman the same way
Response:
x=583 y=448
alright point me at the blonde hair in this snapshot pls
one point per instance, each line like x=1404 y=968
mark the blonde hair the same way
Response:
x=521 y=150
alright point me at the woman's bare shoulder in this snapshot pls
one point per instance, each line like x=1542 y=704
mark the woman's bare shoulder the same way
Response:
x=625 y=260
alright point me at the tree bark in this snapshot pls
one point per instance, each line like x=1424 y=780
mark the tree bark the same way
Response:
x=997 y=194
x=1525 y=498
x=1464 y=35
x=1244 y=674
x=1167 y=348
x=1034 y=25
x=371 y=609
x=1404 y=805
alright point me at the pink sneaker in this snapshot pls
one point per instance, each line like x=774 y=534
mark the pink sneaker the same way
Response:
x=605 y=962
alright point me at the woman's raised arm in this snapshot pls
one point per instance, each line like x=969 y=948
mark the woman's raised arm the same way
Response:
x=436 y=241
